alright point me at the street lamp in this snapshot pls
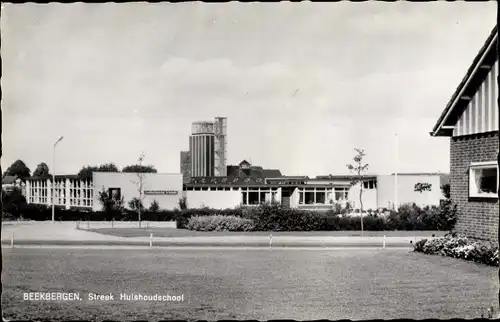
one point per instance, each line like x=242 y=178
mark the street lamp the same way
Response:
x=54 y=176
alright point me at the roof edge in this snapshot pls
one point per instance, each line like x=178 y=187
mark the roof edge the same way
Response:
x=483 y=52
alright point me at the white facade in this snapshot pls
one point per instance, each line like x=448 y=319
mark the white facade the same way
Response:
x=166 y=189
x=218 y=199
x=68 y=192
x=406 y=190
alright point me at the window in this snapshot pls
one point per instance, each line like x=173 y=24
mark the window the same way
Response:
x=340 y=194
x=320 y=197
x=253 y=197
x=309 y=196
x=115 y=193
x=483 y=180
x=370 y=184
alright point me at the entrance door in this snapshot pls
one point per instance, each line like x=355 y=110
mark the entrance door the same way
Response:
x=286 y=193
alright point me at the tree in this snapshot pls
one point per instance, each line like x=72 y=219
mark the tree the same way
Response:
x=135 y=204
x=18 y=169
x=139 y=182
x=183 y=203
x=111 y=205
x=42 y=170
x=139 y=168
x=358 y=168
x=445 y=189
x=85 y=173
x=108 y=167
x=12 y=203
x=154 y=207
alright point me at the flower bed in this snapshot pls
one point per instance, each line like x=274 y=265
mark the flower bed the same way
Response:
x=460 y=247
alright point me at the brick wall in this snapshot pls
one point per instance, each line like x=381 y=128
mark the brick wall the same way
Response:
x=476 y=218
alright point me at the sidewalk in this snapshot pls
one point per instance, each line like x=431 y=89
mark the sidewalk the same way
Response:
x=65 y=233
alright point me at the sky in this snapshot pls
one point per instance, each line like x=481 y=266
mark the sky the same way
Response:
x=301 y=84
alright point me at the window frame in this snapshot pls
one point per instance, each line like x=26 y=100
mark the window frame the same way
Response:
x=471 y=174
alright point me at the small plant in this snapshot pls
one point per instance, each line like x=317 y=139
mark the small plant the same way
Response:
x=136 y=205
x=154 y=207
x=183 y=203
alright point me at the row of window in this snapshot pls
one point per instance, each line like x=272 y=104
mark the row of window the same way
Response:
x=258 y=197
x=80 y=193
x=322 y=196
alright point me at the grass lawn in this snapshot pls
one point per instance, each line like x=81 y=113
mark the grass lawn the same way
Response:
x=247 y=284
x=174 y=232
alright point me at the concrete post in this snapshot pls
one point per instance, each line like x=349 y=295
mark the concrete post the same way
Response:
x=67 y=193
x=49 y=192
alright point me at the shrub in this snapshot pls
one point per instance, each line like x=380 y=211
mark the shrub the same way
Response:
x=154 y=207
x=219 y=223
x=183 y=203
x=182 y=216
x=135 y=204
x=456 y=246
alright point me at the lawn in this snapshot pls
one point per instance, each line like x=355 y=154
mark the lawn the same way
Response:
x=173 y=232
x=248 y=284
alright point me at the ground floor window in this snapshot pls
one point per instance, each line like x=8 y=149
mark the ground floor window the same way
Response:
x=483 y=180
x=321 y=196
x=258 y=196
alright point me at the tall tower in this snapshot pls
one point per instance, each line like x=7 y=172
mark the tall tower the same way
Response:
x=220 y=133
x=201 y=148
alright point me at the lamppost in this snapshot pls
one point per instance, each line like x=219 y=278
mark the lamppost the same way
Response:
x=54 y=176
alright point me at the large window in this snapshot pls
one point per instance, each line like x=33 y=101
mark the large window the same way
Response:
x=483 y=180
x=341 y=194
x=256 y=196
x=310 y=196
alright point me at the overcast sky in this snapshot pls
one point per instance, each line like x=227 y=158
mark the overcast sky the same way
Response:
x=118 y=79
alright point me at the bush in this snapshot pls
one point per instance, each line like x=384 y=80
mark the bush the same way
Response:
x=219 y=223
x=460 y=247
x=182 y=216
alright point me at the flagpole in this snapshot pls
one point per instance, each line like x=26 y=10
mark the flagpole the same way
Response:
x=396 y=173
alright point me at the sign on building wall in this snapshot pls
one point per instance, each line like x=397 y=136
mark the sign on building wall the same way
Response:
x=160 y=192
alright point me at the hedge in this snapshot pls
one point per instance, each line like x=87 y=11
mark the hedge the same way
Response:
x=264 y=217
x=42 y=212
x=277 y=218
x=220 y=223
x=456 y=246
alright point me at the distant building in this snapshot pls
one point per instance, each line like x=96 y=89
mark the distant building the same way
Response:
x=9 y=183
x=249 y=185
x=470 y=119
x=71 y=192
x=201 y=148
x=208 y=148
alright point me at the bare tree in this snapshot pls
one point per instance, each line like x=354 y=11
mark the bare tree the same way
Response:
x=140 y=183
x=358 y=168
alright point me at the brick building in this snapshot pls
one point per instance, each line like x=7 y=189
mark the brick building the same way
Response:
x=470 y=119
